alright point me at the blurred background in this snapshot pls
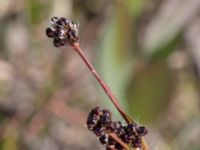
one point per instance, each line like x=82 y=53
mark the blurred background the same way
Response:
x=148 y=52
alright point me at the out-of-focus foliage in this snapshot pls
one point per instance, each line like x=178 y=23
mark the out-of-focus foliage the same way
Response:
x=148 y=52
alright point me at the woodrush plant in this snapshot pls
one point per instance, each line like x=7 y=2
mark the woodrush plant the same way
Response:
x=113 y=134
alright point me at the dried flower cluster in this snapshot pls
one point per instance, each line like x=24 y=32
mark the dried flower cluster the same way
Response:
x=63 y=31
x=99 y=121
x=115 y=135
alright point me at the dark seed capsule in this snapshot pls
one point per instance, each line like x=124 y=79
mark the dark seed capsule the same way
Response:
x=58 y=43
x=141 y=130
x=110 y=127
x=61 y=34
x=126 y=138
x=137 y=142
x=90 y=127
x=59 y=22
x=67 y=22
x=121 y=131
x=96 y=117
x=104 y=139
x=57 y=32
x=105 y=120
x=72 y=36
x=54 y=19
x=107 y=113
x=131 y=129
x=130 y=137
x=91 y=123
x=63 y=21
x=50 y=33
x=97 y=111
x=99 y=130
x=117 y=124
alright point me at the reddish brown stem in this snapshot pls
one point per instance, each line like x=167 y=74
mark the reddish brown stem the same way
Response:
x=113 y=99
x=145 y=146
x=116 y=138
x=107 y=90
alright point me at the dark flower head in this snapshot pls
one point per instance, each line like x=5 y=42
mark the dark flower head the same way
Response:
x=141 y=130
x=100 y=122
x=63 y=31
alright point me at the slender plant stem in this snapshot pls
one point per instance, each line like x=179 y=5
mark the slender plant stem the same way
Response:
x=116 y=138
x=145 y=146
x=77 y=48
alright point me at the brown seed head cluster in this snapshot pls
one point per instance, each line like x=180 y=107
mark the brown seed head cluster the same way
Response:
x=63 y=31
x=100 y=123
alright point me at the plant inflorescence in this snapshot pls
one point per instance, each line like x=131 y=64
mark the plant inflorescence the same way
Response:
x=114 y=134
x=99 y=121
x=63 y=31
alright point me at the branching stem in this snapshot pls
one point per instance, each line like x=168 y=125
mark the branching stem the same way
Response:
x=77 y=48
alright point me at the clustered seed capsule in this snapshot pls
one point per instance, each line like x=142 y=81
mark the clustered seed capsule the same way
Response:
x=100 y=123
x=63 y=31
